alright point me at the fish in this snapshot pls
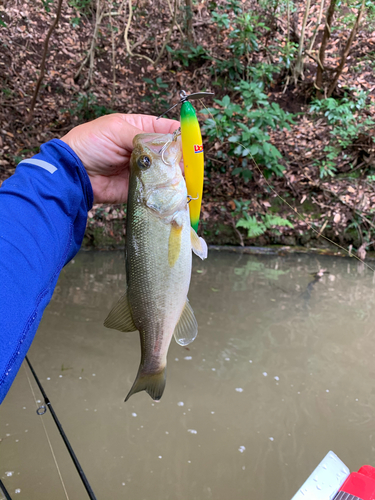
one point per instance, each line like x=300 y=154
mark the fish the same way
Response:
x=158 y=258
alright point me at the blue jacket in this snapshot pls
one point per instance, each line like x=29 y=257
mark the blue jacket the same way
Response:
x=43 y=214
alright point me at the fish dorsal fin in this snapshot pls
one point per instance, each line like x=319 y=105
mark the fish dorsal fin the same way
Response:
x=187 y=327
x=174 y=244
x=198 y=245
x=120 y=317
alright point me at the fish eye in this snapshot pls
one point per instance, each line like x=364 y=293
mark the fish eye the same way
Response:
x=144 y=162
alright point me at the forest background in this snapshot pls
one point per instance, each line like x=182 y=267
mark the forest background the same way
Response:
x=291 y=127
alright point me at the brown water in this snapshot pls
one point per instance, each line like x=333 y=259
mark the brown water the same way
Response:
x=279 y=374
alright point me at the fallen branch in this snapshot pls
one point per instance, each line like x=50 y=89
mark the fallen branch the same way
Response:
x=43 y=64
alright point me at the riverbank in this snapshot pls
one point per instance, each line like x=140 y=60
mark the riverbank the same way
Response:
x=283 y=167
x=106 y=231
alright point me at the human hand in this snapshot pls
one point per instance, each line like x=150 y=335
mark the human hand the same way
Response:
x=104 y=146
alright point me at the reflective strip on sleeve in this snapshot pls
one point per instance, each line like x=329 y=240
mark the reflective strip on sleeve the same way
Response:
x=40 y=163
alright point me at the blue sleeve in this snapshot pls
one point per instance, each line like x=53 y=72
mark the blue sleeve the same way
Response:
x=43 y=214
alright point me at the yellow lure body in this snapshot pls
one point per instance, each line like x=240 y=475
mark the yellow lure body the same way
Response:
x=192 y=151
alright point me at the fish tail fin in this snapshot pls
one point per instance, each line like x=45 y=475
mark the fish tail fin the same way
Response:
x=153 y=384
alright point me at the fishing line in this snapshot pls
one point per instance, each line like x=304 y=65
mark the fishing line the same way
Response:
x=62 y=433
x=46 y=433
x=309 y=225
x=4 y=490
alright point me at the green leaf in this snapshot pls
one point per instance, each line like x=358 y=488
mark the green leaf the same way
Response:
x=238 y=150
x=225 y=101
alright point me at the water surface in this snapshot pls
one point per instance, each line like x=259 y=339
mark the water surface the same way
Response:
x=282 y=371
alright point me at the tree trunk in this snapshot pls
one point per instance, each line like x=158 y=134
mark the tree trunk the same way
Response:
x=347 y=49
x=29 y=117
x=189 y=21
x=298 y=68
x=326 y=36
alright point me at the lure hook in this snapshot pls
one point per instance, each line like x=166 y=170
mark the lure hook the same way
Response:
x=163 y=150
x=175 y=134
x=187 y=97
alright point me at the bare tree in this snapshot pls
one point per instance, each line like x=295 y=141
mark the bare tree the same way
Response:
x=189 y=21
x=29 y=117
x=346 y=50
x=323 y=46
x=91 y=53
x=298 y=68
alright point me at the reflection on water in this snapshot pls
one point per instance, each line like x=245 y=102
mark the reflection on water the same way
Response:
x=281 y=372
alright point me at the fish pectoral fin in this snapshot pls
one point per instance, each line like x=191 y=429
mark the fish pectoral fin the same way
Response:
x=187 y=327
x=198 y=245
x=120 y=317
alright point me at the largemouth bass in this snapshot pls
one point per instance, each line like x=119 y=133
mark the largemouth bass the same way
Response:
x=158 y=255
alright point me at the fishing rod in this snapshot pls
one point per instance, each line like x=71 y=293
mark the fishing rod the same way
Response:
x=40 y=411
x=4 y=490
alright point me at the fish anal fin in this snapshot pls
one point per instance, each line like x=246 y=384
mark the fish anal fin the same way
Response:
x=174 y=244
x=187 y=327
x=153 y=384
x=198 y=245
x=120 y=317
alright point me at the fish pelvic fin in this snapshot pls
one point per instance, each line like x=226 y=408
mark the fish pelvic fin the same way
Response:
x=153 y=384
x=198 y=245
x=120 y=317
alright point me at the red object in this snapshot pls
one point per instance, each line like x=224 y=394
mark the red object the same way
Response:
x=361 y=483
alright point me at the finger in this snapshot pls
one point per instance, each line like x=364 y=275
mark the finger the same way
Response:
x=120 y=130
x=150 y=124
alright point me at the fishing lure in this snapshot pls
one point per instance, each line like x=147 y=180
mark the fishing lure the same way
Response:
x=192 y=151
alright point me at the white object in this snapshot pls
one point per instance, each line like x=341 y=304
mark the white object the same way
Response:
x=325 y=481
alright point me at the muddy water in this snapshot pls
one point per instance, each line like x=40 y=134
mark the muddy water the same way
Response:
x=282 y=371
